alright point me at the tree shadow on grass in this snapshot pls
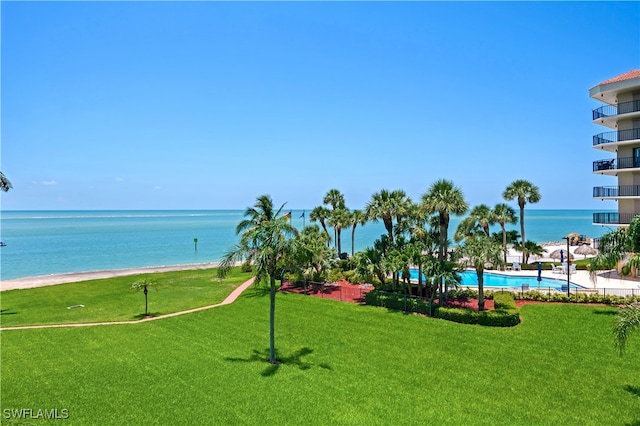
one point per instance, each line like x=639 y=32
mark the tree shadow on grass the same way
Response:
x=605 y=311
x=294 y=359
x=149 y=315
x=7 y=312
x=635 y=390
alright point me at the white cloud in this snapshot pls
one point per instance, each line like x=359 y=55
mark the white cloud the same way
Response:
x=119 y=179
x=157 y=187
x=49 y=182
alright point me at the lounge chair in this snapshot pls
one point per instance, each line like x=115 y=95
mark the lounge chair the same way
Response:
x=516 y=266
x=556 y=269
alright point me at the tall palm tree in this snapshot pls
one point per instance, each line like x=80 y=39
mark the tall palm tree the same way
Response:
x=265 y=241
x=321 y=214
x=381 y=207
x=445 y=199
x=334 y=198
x=525 y=192
x=480 y=250
x=5 y=184
x=339 y=219
x=357 y=218
x=403 y=208
x=503 y=214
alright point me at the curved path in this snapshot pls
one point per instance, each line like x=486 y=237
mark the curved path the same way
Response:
x=228 y=300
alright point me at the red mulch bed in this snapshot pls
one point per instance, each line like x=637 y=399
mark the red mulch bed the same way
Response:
x=352 y=293
x=342 y=291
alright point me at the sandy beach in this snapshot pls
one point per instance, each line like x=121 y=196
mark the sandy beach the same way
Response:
x=44 y=280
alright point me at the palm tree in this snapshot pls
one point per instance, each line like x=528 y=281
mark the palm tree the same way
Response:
x=381 y=207
x=403 y=208
x=335 y=199
x=311 y=258
x=321 y=214
x=265 y=241
x=5 y=185
x=357 y=218
x=480 y=250
x=503 y=214
x=445 y=199
x=525 y=192
x=339 y=219
x=628 y=321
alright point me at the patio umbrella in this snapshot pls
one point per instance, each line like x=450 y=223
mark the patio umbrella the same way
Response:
x=559 y=254
x=586 y=250
x=539 y=273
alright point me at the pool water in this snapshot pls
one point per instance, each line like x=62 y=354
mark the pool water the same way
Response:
x=469 y=278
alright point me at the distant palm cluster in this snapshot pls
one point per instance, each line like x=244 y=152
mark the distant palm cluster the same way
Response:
x=5 y=185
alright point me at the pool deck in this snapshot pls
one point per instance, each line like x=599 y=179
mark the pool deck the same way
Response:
x=605 y=280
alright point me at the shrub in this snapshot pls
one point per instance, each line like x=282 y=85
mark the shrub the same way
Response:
x=397 y=301
x=495 y=318
x=504 y=301
x=246 y=267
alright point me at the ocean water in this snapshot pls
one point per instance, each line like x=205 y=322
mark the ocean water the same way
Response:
x=53 y=242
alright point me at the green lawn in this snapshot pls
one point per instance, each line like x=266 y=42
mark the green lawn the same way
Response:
x=111 y=299
x=343 y=364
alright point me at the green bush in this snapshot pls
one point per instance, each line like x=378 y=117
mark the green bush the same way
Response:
x=494 y=318
x=397 y=301
x=246 y=267
x=503 y=301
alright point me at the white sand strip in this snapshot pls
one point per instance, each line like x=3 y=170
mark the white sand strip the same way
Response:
x=44 y=280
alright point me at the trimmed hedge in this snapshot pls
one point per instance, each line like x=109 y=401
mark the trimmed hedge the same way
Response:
x=507 y=316
x=397 y=301
x=493 y=318
x=504 y=314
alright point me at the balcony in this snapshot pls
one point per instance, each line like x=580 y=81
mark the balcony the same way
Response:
x=616 y=191
x=613 y=110
x=612 y=165
x=613 y=218
x=621 y=136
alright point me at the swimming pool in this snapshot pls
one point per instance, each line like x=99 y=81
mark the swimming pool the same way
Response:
x=469 y=278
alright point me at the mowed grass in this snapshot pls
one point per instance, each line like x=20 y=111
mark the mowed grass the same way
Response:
x=342 y=364
x=111 y=299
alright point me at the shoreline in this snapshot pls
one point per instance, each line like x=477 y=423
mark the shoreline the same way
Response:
x=72 y=277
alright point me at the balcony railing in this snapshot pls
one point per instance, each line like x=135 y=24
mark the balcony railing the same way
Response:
x=611 y=110
x=619 y=136
x=616 y=191
x=615 y=164
x=613 y=218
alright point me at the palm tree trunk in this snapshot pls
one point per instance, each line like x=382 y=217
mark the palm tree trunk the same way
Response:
x=339 y=238
x=272 y=320
x=522 y=231
x=480 y=274
x=504 y=242
x=353 y=239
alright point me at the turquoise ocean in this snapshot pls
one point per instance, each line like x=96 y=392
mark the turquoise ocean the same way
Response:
x=54 y=242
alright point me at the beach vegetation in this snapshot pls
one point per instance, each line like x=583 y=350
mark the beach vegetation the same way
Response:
x=265 y=241
x=311 y=259
x=524 y=192
x=628 y=321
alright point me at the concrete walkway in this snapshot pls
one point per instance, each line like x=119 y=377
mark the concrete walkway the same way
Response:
x=228 y=300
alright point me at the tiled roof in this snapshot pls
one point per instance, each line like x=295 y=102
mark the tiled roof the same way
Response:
x=622 y=77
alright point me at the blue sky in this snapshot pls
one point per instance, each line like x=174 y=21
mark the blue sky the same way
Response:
x=207 y=105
